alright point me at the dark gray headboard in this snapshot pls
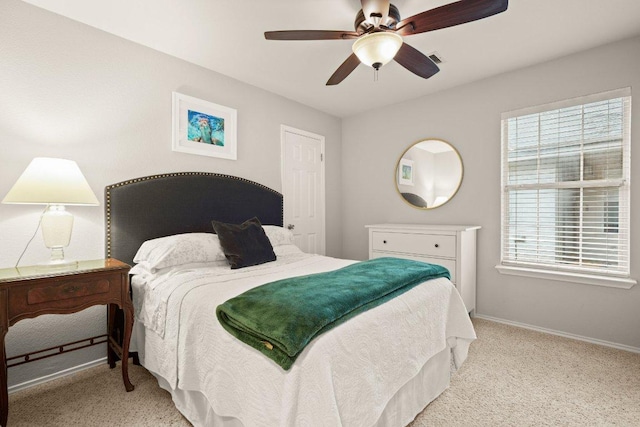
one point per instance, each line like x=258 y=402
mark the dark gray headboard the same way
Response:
x=183 y=202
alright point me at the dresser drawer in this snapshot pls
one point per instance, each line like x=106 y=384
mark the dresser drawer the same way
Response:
x=419 y=244
x=449 y=264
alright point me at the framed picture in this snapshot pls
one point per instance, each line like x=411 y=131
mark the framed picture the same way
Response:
x=204 y=128
x=405 y=172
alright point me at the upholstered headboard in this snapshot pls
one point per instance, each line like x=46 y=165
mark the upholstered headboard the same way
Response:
x=183 y=202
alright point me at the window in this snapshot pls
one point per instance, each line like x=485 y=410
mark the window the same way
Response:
x=565 y=190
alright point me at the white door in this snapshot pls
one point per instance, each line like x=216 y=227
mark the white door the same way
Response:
x=303 y=187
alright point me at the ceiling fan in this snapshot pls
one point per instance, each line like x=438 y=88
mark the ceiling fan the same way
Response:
x=379 y=31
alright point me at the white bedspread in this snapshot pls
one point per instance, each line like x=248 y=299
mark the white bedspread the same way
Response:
x=343 y=377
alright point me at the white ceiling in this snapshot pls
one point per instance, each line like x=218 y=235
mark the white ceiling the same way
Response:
x=227 y=36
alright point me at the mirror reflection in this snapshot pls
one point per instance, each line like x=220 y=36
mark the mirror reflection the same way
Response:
x=429 y=173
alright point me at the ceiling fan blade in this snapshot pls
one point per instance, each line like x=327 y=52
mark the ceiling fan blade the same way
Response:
x=310 y=35
x=379 y=9
x=344 y=70
x=416 y=62
x=450 y=15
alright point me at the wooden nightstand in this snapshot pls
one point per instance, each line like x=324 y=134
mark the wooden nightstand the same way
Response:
x=27 y=292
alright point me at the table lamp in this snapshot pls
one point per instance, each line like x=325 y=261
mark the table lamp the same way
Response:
x=55 y=183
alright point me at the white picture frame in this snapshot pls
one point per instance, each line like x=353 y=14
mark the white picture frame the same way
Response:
x=203 y=128
x=405 y=172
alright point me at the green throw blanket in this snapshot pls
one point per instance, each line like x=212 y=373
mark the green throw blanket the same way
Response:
x=280 y=318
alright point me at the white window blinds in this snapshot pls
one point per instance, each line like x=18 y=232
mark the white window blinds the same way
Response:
x=565 y=185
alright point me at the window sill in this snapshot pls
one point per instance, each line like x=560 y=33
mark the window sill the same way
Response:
x=587 y=279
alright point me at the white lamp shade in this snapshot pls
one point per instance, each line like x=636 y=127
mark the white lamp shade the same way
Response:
x=52 y=181
x=377 y=48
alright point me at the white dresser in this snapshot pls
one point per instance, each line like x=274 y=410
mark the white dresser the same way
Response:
x=452 y=246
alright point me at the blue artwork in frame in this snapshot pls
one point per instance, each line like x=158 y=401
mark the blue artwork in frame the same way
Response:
x=204 y=128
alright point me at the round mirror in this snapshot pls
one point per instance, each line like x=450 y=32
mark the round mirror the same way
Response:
x=429 y=173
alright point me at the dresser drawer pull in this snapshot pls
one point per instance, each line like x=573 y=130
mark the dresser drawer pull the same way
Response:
x=437 y=245
x=384 y=241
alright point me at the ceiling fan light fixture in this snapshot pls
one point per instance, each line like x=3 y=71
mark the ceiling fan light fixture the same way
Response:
x=377 y=49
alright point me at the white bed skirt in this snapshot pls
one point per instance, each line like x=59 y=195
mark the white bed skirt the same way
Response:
x=403 y=407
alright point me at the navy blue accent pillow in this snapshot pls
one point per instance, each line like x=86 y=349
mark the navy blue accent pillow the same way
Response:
x=244 y=244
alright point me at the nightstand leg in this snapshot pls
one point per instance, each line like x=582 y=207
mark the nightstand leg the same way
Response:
x=111 y=316
x=4 y=327
x=128 y=327
x=4 y=397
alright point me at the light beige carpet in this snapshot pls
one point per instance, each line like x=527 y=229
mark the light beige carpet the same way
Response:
x=513 y=377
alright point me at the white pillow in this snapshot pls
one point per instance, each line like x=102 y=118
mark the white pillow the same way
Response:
x=283 y=250
x=179 y=249
x=278 y=235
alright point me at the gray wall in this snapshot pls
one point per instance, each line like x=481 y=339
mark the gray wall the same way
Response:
x=469 y=118
x=68 y=90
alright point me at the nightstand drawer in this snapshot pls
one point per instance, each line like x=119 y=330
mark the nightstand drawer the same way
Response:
x=65 y=293
x=67 y=290
x=419 y=244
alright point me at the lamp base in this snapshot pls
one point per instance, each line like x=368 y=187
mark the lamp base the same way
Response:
x=56 y=225
x=57 y=266
x=58 y=261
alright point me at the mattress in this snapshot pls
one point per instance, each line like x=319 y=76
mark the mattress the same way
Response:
x=347 y=376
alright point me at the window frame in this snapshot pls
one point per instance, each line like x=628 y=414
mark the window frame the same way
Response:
x=569 y=273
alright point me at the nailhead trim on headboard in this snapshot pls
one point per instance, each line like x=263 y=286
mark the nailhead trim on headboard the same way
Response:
x=107 y=192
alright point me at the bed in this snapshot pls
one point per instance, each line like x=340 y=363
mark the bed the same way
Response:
x=380 y=368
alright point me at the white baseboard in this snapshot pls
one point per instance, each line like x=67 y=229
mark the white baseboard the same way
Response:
x=560 y=333
x=56 y=375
